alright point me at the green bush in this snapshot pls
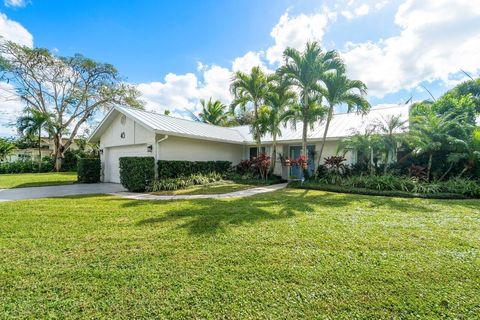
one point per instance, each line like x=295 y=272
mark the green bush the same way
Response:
x=136 y=173
x=88 y=170
x=27 y=166
x=171 y=184
x=175 y=169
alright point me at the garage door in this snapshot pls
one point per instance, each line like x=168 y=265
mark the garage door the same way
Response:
x=112 y=166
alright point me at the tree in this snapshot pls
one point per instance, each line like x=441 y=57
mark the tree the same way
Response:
x=429 y=132
x=469 y=154
x=470 y=87
x=307 y=70
x=6 y=148
x=338 y=90
x=276 y=111
x=213 y=112
x=251 y=88
x=362 y=143
x=390 y=130
x=31 y=125
x=69 y=89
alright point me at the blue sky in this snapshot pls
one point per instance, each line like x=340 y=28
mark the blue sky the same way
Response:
x=180 y=51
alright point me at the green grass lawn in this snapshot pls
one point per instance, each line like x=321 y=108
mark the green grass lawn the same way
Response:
x=288 y=254
x=213 y=188
x=22 y=180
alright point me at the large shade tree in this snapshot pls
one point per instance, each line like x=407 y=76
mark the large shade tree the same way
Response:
x=251 y=88
x=69 y=89
x=338 y=90
x=307 y=70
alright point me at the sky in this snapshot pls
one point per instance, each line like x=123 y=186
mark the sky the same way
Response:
x=177 y=52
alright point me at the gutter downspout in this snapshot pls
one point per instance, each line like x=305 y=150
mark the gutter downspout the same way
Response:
x=156 y=152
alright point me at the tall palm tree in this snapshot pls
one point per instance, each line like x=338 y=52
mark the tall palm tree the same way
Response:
x=276 y=111
x=31 y=125
x=307 y=70
x=338 y=90
x=213 y=112
x=251 y=88
x=6 y=148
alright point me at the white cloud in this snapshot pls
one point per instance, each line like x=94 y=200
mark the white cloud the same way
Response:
x=15 y=3
x=14 y=31
x=296 y=31
x=246 y=62
x=438 y=38
x=361 y=10
x=10 y=109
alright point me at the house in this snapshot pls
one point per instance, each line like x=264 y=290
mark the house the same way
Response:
x=130 y=132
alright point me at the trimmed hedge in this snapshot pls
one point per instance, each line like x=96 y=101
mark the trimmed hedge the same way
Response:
x=136 y=173
x=174 y=169
x=27 y=166
x=88 y=170
x=373 y=192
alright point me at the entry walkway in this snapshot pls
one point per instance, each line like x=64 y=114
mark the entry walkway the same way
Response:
x=236 y=194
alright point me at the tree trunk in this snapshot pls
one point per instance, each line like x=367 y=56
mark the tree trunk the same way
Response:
x=305 y=125
x=324 y=139
x=58 y=152
x=40 y=149
x=255 y=128
x=274 y=154
x=446 y=172
x=429 y=166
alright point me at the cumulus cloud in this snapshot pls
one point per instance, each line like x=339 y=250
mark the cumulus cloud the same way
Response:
x=14 y=31
x=361 y=10
x=437 y=39
x=10 y=108
x=246 y=62
x=296 y=31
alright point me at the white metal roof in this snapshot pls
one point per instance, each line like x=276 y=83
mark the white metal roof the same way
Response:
x=342 y=125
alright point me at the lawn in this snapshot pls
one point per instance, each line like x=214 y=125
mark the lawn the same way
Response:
x=213 y=188
x=22 y=180
x=288 y=254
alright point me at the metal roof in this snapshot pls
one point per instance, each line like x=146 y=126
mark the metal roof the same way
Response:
x=342 y=125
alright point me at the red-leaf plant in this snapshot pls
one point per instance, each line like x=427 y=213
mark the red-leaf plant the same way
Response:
x=262 y=163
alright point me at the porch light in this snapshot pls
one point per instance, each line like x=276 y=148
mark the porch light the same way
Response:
x=149 y=148
x=101 y=151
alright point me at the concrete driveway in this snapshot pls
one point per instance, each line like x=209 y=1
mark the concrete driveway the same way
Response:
x=59 y=191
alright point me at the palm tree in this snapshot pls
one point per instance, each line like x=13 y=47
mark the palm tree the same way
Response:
x=6 y=148
x=429 y=132
x=31 y=124
x=213 y=112
x=469 y=153
x=338 y=90
x=362 y=143
x=250 y=88
x=306 y=70
x=277 y=111
x=390 y=129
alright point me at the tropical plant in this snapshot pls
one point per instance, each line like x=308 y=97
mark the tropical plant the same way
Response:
x=276 y=112
x=31 y=125
x=250 y=88
x=361 y=143
x=6 y=148
x=469 y=154
x=429 y=132
x=213 y=112
x=306 y=70
x=338 y=90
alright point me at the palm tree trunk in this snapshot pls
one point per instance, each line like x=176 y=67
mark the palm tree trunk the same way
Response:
x=446 y=172
x=305 y=125
x=274 y=154
x=255 y=128
x=429 y=166
x=324 y=139
x=40 y=149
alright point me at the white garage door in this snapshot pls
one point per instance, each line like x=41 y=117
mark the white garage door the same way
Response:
x=112 y=165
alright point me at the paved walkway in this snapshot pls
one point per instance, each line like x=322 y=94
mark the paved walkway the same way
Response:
x=59 y=191
x=236 y=194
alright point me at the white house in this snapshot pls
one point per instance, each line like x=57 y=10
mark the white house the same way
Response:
x=130 y=132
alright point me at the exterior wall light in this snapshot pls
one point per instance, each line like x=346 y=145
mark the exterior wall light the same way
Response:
x=101 y=151
x=149 y=148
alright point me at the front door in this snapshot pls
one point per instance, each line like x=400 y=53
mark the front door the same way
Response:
x=295 y=152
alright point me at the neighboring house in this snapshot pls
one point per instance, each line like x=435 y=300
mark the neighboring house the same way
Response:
x=47 y=149
x=128 y=132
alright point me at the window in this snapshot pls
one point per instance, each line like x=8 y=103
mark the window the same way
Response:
x=254 y=152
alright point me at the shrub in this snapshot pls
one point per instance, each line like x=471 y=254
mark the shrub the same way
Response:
x=262 y=163
x=335 y=164
x=174 y=169
x=27 y=166
x=88 y=170
x=136 y=173
x=171 y=184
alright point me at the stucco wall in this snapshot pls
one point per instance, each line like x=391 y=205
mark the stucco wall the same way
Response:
x=178 y=148
x=134 y=134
